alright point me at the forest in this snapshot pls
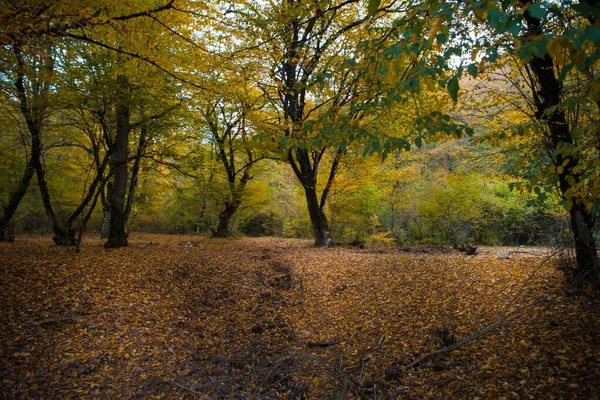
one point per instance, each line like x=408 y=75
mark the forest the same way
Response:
x=299 y=199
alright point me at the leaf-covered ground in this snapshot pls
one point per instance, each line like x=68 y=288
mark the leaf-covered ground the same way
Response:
x=189 y=317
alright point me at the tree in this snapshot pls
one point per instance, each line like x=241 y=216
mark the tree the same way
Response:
x=118 y=165
x=24 y=20
x=320 y=77
x=557 y=45
x=28 y=29
x=13 y=191
x=228 y=127
x=549 y=95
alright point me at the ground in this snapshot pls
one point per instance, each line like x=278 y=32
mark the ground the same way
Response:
x=268 y=318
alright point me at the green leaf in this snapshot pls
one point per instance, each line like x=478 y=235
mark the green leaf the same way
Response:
x=419 y=141
x=568 y=205
x=496 y=18
x=514 y=27
x=373 y=6
x=283 y=141
x=537 y=11
x=472 y=70
x=584 y=9
x=453 y=88
x=535 y=48
x=592 y=34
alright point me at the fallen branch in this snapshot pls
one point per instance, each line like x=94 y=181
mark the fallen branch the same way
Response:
x=326 y=343
x=65 y=319
x=190 y=390
x=501 y=322
x=369 y=354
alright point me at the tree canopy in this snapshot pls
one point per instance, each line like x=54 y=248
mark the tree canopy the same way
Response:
x=390 y=122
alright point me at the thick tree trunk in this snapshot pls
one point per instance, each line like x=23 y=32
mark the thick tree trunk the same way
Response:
x=318 y=220
x=117 y=236
x=225 y=217
x=559 y=135
x=307 y=173
x=585 y=245
x=6 y=231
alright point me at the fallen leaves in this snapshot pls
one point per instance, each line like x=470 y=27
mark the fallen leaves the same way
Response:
x=269 y=317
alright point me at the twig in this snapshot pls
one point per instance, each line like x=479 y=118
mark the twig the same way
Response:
x=276 y=382
x=369 y=354
x=455 y=346
x=501 y=322
x=529 y=278
x=190 y=390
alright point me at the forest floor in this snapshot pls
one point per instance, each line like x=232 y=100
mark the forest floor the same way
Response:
x=268 y=318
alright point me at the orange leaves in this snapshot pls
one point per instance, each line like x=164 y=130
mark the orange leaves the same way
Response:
x=267 y=317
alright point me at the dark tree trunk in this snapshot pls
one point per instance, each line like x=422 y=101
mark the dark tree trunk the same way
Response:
x=295 y=78
x=106 y=201
x=8 y=211
x=225 y=217
x=318 y=220
x=549 y=95
x=6 y=230
x=227 y=130
x=307 y=171
x=585 y=245
x=62 y=236
x=117 y=236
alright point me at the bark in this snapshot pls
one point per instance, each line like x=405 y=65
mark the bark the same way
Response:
x=225 y=217
x=306 y=171
x=585 y=246
x=318 y=220
x=62 y=236
x=8 y=211
x=106 y=200
x=117 y=236
x=135 y=170
x=87 y=216
x=295 y=77
x=559 y=134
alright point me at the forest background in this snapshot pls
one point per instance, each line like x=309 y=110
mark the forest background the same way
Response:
x=384 y=123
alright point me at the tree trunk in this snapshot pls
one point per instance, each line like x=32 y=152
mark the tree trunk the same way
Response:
x=62 y=237
x=6 y=231
x=135 y=169
x=34 y=109
x=116 y=233
x=318 y=220
x=559 y=135
x=225 y=217
x=307 y=171
x=106 y=200
x=585 y=246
